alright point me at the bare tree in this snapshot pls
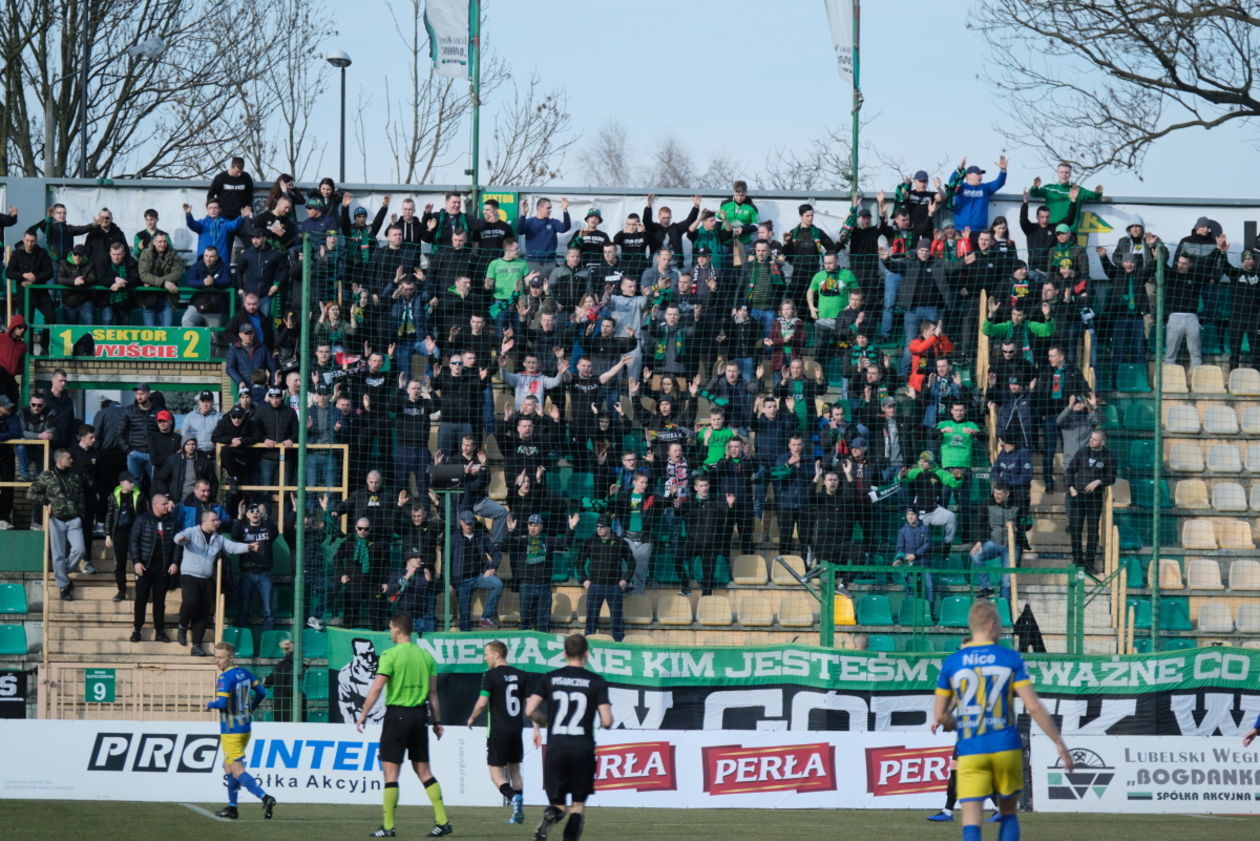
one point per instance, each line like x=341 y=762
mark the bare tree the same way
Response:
x=671 y=165
x=284 y=140
x=531 y=136
x=819 y=164
x=720 y=174
x=1096 y=82
x=151 y=112
x=605 y=161
x=364 y=100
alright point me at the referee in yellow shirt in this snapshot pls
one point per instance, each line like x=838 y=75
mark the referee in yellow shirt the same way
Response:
x=408 y=677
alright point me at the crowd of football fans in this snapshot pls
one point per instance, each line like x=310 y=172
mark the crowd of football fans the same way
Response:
x=696 y=385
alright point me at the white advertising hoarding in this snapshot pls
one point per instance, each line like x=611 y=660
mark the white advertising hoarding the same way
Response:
x=1188 y=774
x=321 y=763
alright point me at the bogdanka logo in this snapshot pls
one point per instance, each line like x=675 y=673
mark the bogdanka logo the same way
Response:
x=903 y=770
x=734 y=769
x=641 y=766
x=1091 y=775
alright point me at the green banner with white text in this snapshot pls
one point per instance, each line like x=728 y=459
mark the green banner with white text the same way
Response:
x=1193 y=692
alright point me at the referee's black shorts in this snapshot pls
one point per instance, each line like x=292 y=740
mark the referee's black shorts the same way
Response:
x=504 y=747
x=405 y=734
x=571 y=772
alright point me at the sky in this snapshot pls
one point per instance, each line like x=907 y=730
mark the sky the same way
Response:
x=741 y=78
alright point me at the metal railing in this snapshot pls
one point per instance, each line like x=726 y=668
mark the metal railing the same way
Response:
x=143 y=692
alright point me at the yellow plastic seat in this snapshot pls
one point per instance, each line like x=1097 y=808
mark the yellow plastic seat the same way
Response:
x=1175 y=380
x=561 y=609
x=1252 y=462
x=748 y=570
x=509 y=607
x=1198 y=534
x=755 y=610
x=714 y=611
x=781 y=576
x=674 y=609
x=1121 y=493
x=1203 y=574
x=1220 y=420
x=1244 y=382
x=1248 y=618
x=1229 y=497
x=1224 y=458
x=1169 y=574
x=1235 y=534
x=1191 y=493
x=1207 y=379
x=637 y=609
x=1185 y=457
x=498 y=486
x=1181 y=419
x=1251 y=420
x=1214 y=618
x=797 y=610
x=1244 y=575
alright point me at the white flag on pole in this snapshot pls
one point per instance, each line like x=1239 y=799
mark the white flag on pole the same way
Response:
x=448 y=24
x=840 y=22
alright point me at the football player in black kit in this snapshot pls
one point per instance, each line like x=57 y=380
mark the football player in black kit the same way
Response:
x=503 y=690
x=567 y=700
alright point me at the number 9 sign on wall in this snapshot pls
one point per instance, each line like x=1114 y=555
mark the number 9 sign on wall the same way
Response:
x=156 y=343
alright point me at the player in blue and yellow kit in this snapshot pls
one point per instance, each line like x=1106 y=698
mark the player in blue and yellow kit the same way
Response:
x=981 y=680
x=236 y=696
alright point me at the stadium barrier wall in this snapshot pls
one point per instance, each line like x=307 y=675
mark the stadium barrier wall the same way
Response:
x=1200 y=692
x=305 y=763
x=1147 y=774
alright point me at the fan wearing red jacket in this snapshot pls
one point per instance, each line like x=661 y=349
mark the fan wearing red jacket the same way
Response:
x=932 y=344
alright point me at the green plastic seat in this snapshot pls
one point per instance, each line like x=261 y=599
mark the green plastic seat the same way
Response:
x=1132 y=377
x=1139 y=416
x=1210 y=340
x=661 y=568
x=1130 y=538
x=242 y=639
x=317 y=716
x=954 y=611
x=914 y=612
x=947 y=644
x=1136 y=571
x=1142 y=645
x=1140 y=461
x=581 y=486
x=12 y=641
x=13 y=597
x=1141 y=612
x=914 y=642
x=281 y=558
x=1176 y=643
x=562 y=566
x=586 y=523
x=881 y=642
x=1143 y=493
x=314 y=644
x=1174 y=615
x=835 y=372
x=284 y=601
x=1110 y=415
x=269 y=649
x=1004 y=611
x=721 y=571
x=315 y=684
x=873 y=609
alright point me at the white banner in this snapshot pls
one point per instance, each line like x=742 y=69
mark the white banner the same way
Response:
x=447 y=22
x=840 y=22
x=1188 y=774
x=181 y=761
x=324 y=763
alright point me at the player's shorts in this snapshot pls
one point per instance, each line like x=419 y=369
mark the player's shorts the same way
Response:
x=571 y=772
x=504 y=748
x=405 y=735
x=999 y=774
x=233 y=745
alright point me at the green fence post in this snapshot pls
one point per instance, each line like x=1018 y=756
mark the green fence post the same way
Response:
x=299 y=545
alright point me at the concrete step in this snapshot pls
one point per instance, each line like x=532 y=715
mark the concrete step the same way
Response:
x=149 y=652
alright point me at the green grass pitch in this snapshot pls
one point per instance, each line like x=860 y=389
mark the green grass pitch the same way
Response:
x=32 y=820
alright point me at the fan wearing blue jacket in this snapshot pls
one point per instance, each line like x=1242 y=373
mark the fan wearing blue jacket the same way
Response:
x=969 y=198
x=212 y=229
